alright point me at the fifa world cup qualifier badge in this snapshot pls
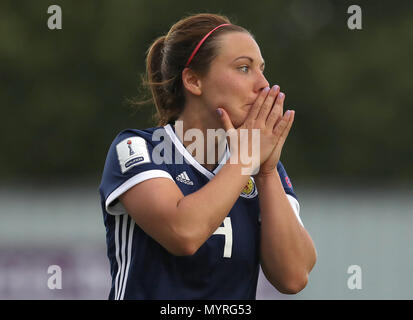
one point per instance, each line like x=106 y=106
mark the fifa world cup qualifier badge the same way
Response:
x=250 y=189
x=132 y=151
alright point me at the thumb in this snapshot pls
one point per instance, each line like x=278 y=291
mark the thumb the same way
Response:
x=225 y=120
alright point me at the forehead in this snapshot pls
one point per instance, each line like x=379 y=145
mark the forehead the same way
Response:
x=235 y=44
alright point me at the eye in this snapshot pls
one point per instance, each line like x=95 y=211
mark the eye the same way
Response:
x=244 y=69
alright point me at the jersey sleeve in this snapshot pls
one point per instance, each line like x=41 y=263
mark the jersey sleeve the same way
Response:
x=289 y=191
x=128 y=162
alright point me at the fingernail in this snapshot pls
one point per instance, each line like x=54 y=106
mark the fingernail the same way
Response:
x=219 y=111
x=288 y=112
x=281 y=95
x=275 y=87
x=266 y=89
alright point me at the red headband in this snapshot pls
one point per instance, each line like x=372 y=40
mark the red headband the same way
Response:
x=201 y=42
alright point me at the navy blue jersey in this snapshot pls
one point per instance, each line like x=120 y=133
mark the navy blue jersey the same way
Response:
x=226 y=266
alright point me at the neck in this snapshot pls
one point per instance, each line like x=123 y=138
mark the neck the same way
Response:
x=192 y=129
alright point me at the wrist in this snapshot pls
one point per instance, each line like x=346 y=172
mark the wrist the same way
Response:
x=246 y=169
x=263 y=177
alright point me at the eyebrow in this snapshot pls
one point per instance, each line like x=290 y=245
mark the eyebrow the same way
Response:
x=249 y=58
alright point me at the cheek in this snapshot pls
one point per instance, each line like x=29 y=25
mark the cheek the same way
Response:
x=227 y=88
x=225 y=84
x=227 y=91
x=231 y=97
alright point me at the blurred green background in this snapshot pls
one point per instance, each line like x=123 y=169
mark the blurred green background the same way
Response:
x=63 y=96
x=64 y=92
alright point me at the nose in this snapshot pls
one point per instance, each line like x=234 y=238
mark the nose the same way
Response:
x=261 y=82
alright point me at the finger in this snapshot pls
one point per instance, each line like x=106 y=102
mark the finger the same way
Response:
x=276 y=112
x=225 y=119
x=282 y=124
x=290 y=123
x=284 y=135
x=268 y=103
x=284 y=129
x=253 y=113
x=231 y=132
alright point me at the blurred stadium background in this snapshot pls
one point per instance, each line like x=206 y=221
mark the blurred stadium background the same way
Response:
x=64 y=97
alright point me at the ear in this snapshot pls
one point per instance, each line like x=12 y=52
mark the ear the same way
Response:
x=191 y=81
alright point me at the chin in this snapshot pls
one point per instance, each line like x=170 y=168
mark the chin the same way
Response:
x=238 y=116
x=239 y=119
x=237 y=122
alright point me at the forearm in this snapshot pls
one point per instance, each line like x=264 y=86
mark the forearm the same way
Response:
x=287 y=251
x=202 y=212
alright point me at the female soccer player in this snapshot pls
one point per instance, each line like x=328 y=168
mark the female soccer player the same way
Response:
x=182 y=224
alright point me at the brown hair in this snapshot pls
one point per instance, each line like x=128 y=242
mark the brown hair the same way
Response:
x=168 y=54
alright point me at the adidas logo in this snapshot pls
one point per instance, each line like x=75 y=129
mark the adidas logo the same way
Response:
x=183 y=177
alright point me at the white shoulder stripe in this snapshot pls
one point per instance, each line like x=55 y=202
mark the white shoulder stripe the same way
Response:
x=130 y=242
x=122 y=259
x=140 y=177
x=123 y=256
x=117 y=218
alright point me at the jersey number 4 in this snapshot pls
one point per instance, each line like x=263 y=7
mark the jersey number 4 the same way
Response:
x=226 y=231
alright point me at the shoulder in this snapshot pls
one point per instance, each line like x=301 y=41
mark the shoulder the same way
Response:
x=129 y=162
x=132 y=146
x=143 y=134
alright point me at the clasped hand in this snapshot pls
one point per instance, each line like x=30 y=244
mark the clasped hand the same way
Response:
x=266 y=114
